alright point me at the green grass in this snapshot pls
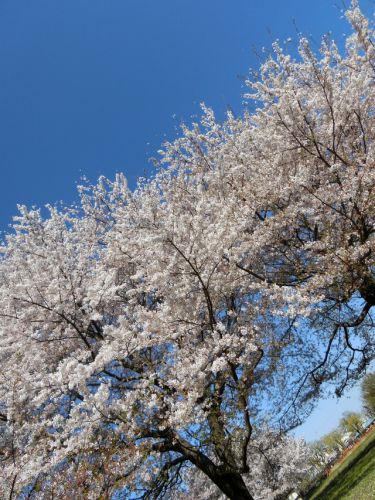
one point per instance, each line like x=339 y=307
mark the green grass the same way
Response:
x=354 y=478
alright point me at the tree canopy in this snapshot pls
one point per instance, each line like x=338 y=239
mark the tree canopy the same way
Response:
x=368 y=393
x=153 y=337
x=352 y=422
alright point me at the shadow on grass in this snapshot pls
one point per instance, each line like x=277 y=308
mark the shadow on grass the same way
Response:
x=351 y=475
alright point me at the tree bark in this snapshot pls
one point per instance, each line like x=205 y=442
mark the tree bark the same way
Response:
x=233 y=486
x=230 y=483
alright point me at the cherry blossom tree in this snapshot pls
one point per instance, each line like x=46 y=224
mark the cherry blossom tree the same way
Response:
x=151 y=340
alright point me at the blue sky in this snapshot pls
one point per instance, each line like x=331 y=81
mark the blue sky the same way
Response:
x=91 y=87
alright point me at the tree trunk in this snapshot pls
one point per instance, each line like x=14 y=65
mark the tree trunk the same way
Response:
x=233 y=486
x=230 y=483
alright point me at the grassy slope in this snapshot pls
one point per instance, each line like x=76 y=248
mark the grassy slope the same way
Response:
x=352 y=479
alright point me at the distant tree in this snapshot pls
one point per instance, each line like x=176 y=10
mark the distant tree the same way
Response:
x=352 y=422
x=368 y=394
x=318 y=455
x=334 y=441
x=149 y=335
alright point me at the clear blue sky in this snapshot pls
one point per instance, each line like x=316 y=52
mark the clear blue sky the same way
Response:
x=89 y=87
x=327 y=414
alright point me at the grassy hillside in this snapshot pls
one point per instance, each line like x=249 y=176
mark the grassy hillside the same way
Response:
x=352 y=479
